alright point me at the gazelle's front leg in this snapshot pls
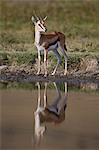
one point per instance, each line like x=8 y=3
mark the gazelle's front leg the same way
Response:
x=45 y=62
x=39 y=60
x=39 y=129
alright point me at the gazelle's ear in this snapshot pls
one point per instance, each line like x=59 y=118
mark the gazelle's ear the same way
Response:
x=44 y=18
x=33 y=20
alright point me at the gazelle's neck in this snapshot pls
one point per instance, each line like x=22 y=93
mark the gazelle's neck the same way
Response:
x=37 y=37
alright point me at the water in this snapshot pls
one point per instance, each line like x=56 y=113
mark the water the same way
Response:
x=71 y=120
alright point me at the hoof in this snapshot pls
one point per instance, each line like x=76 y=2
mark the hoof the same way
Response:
x=45 y=75
x=38 y=73
x=53 y=74
x=65 y=73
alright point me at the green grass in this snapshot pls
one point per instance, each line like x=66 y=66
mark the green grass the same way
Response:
x=29 y=58
x=17 y=57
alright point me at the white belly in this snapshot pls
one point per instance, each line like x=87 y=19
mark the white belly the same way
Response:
x=40 y=48
x=53 y=47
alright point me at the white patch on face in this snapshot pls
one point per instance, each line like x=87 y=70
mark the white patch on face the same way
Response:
x=40 y=27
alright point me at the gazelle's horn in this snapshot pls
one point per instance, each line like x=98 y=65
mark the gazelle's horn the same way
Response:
x=37 y=18
x=45 y=18
x=40 y=17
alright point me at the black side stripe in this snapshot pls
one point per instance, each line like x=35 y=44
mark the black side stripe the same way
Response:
x=53 y=43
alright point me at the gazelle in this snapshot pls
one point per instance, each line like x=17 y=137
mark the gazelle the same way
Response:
x=54 y=113
x=48 y=42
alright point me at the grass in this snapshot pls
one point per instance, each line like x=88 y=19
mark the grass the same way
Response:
x=29 y=58
x=17 y=57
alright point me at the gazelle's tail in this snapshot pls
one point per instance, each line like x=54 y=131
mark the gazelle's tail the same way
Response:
x=62 y=40
x=65 y=47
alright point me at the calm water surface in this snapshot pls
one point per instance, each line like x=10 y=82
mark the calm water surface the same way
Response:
x=70 y=120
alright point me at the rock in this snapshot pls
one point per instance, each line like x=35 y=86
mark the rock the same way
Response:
x=3 y=68
x=89 y=64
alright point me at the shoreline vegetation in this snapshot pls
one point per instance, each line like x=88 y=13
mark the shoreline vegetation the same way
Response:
x=78 y=20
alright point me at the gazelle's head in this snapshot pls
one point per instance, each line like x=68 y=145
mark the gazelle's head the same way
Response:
x=39 y=24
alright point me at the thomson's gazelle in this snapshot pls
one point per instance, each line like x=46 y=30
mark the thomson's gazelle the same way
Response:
x=48 y=41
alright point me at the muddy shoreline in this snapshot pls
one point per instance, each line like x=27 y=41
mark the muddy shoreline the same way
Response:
x=75 y=78
x=86 y=71
x=79 y=79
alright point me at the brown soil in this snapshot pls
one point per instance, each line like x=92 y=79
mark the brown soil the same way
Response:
x=87 y=69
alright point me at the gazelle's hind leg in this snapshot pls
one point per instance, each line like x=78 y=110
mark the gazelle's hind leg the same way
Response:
x=58 y=60
x=63 y=49
x=54 y=106
x=63 y=103
x=65 y=71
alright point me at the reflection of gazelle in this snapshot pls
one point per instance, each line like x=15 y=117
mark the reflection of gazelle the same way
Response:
x=49 y=113
x=48 y=41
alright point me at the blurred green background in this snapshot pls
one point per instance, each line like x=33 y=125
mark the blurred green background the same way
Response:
x=77 y=19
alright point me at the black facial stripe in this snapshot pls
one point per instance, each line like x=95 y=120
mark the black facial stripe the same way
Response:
x=40 y=26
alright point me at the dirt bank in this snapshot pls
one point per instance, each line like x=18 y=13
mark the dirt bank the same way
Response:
x=87 y=69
